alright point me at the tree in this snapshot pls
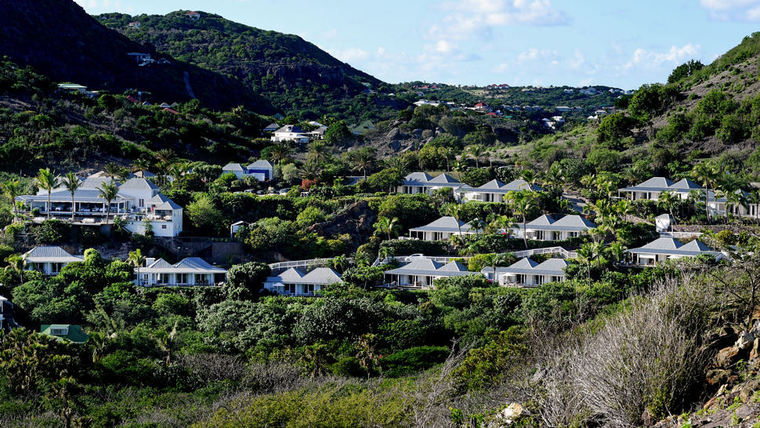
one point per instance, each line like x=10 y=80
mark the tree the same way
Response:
x=11 y=189
x=245 y=281
x=366 y=353
x=108 y=191
x=523 y=203
x=47 y=181
x=476 y=151
x=363 y=159
x=685 y=70
x=707 y=173
x=668 y=200
x=136 y=259
x=71 y=183
x=338 y=133
x=204 y=215
x=387 y=226
x=280 y=152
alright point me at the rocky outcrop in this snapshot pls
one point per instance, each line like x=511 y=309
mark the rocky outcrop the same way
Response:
x=356 y=221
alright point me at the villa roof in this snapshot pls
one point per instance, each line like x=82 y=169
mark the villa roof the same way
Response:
x=444 y=224
x=265 y=164
x=426 y=267
x=444 y=178
x=163 y=202
x=50 y=254
x=528 y=266
x=321 y=276
x=187 y=265
x=233 y=167
x=81 y=195
x=72 y=333
x=662 y=184
x=496 y=186
x=570 y=223
x=672 y=246
x=137 y=183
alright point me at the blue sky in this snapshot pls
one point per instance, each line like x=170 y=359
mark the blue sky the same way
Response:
x=518 y=42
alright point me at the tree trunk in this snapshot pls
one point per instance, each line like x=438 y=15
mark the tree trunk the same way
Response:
x=48 y=205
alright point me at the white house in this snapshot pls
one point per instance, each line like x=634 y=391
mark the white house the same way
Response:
x=422 y=182
x=293 y=282
x=528 y=273
x=421 y=271
x=496 y=191
x=261 y=170
x=663 y=249
x=48 y=260
x=290 y=133
x=547 y=228
x=138 y=201
x=651 y=189
x=192 y=271
x=441 y=230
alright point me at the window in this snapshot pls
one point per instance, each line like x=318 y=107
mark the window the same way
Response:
x=181 y=278
x=141 y=203
x=163 y=226
x=60 y=331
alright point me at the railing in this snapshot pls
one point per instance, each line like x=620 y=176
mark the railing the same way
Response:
x=302 y=263
x=679 y=234
x=548 y=250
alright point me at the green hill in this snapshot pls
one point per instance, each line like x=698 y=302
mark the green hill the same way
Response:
x=294 y=75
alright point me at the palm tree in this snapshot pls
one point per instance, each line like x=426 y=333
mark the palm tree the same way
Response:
x=667 y=201
x=16 y=264
x=706 y=173
x=136 y=259
x=12 y=189
x=523 y=203
x=317 y=151
x=387 y=226
x=108 y=191
x=363 y=159
x=476 y=152
x=477 y=225
x=502 y=222
x=735 y=199
x=455 y=210
x=47 y=181
x=71 y=182
x=280 y=152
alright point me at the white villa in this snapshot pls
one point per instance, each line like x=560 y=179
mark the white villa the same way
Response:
x=663 y=249
x=293 y=282
x=262 y=170
x=49 y=259
x=495 y=190
x=290 y=133
x=421 y=271
x=422 y=182
x=652 y=188
x=192 y=271
x=138 y=201
x=547 y=228
x=528 y=273
x=441 y=230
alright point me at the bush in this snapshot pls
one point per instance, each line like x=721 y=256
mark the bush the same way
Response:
x=413 y=360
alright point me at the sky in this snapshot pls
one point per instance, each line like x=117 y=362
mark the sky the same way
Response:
x=478 y=42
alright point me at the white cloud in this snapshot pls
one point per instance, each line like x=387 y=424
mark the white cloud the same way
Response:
x=468 y=18
x=732 y=10
x=444 y=46
x=350 y=54
x=653 y=59
x=535 y=54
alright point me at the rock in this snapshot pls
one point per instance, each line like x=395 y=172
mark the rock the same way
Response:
x=427 y=134
x=417 y=132
x=647 y=418
x=744 y=342
x=748 y=390
x=395 y=145
x=755 y=352
x=508 y=416
x=727 y=356
x=716 y=377
x=394 y=134
x=722 y=338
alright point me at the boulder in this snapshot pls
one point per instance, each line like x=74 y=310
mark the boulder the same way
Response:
x=508 y=416
x=744 y=342
x=395 y=145
x=755 y=351
x=727 y=356
x=716 y=377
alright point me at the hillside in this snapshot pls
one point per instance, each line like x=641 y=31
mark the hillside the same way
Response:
x=60 y=40
x=294 y=75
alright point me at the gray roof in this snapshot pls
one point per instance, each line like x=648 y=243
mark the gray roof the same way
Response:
x=94 y=182
x=81 y=195
x=50 y=254
x=291 y=128
x=662 y=184
x=138 y=184
x=187 y=265
x=444 y=224
x=672 y=246
x=528 y=266
x=570 y=223
x=261 y=164
x=496 y=186
x=233 y=167
x=164 y=203
x=321 y=276
x=427 y=267
x=444 y=179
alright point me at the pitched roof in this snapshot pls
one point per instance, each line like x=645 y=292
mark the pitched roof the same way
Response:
x=321 y=276
x=492 y=185
x=163 y=202
x=574 y=222
x=417 y=177
x=672 y=246
x=528 y=266
x=233 y=167
x=543 y=220
x=71 y=333
x=265 y=164
x=445 y=178
x=444 y=224
x=290 y=276
x=520 y=184
x=50 y=254
x=187 y=265
x=95 y=182
x=686 y=184
x=137 y=183
x=453 y=266
x=291 y=128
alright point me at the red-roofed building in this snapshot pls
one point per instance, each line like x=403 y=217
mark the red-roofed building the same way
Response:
x=171 y=110
x=194 y=15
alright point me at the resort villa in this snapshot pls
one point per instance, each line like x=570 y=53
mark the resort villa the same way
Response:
x=49 y=260
x=442 y=229
x=663 y=249
x=496 y=191
x=189 y=272
x=420 y=272
x=293 y=282
x=528 y=273
x=138 y=201
x=547 y=228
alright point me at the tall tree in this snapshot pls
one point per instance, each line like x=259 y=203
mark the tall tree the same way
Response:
x=108 y=191
x=387 y=226
x=706 y=173
x=71 y=183
x=12 y=189
x=47 y=181
x=363 y=159
x=136 y=259
x=523 y=203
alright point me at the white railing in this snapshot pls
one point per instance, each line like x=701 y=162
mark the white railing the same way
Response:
x=302 y=263
x=680 y=234
x=548 y=250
